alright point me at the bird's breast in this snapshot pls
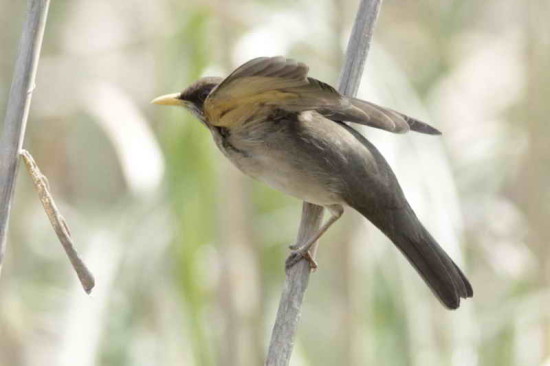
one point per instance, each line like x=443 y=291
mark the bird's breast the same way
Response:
x=271 y=158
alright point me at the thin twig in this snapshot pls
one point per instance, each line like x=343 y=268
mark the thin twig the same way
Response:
x=18 y=108
x=297 y=276
x=58 y=222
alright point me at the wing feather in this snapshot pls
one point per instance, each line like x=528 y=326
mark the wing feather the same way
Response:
x=263 y=84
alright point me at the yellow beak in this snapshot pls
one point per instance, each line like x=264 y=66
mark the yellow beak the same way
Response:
x=169 y=99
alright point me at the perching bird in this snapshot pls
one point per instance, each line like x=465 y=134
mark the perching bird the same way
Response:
x=286 y=129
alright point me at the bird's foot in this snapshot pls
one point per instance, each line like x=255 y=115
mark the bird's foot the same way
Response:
x=298 y=255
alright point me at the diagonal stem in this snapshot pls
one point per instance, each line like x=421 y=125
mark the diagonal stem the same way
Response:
x=58 y=222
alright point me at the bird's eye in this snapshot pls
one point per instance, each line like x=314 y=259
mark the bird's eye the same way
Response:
x=204 y=94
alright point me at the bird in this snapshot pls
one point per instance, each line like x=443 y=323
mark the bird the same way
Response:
x=280 y=126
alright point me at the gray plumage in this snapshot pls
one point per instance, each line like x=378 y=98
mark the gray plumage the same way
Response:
x=285 y=129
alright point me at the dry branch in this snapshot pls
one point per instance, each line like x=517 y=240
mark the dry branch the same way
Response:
x=297 y=276
x=18 y=108
x=58 y=222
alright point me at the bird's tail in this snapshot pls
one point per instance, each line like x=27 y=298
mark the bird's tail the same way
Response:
x=437 y=269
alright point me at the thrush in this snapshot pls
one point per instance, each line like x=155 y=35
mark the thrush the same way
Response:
x=286 y=129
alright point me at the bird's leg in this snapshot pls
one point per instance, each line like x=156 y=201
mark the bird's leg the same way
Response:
x=302 y=251
x=336 y=212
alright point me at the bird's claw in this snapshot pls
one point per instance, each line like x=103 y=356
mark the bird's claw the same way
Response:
x=297 y=255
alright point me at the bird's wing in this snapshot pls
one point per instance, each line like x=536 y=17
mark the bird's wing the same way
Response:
x=266 y=83
x=253 y=88
x=383 y=118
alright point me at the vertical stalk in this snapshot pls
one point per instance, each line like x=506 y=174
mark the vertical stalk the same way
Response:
x=297 y=277
x=17 y=110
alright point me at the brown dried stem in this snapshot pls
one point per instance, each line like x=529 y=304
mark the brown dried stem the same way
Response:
x=58 y=222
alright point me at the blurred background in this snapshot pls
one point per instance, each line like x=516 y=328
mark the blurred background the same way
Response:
x=188 y=254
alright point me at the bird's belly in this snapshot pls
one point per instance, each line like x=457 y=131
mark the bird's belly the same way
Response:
x=285 y=177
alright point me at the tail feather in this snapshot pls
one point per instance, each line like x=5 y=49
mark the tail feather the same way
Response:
x=435 y=267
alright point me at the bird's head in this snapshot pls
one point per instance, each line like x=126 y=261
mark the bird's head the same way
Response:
x=192 y=97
